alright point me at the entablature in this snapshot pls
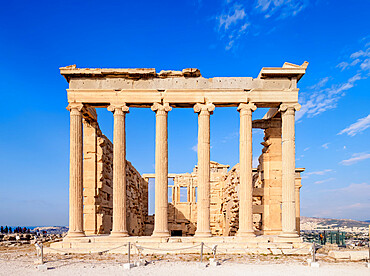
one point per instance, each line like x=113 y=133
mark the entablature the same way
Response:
x=142 y=87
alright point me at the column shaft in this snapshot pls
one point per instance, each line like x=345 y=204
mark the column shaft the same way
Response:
x=203 y=173
x=161 y=171
x=119 y=227
x=288 y=170
x=75 y=172
x=246 y=177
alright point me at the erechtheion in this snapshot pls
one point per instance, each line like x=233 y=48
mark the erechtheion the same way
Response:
x=242 y=205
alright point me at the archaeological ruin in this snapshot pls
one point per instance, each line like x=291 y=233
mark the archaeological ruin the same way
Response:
x=237 y=207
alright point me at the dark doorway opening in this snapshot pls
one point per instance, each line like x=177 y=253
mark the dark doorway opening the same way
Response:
x=176 y=233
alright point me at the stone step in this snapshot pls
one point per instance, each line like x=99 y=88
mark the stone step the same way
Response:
x=150 y=247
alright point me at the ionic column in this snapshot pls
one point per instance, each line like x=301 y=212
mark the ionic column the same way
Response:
x=246 y=178
x=75 y=172
x=288 y=170
x=161 y=171
x=203 y=175
x=119 y=228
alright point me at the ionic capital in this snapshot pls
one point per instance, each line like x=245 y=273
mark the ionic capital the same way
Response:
x=75 y=107
x=118 y=109
x=289 y=107
x=247 y=107
x=208 y=107
x=165 y=107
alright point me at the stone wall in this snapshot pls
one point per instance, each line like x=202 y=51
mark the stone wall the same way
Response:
x=230 y=198
x=98 y=192
x=182 y=214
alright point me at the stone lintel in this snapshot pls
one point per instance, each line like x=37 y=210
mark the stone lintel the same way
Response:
x=269 y=123
x=184 y=98
x=89 y=114
x=289 y=70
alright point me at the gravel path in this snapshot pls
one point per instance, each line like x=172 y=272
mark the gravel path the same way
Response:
x=83 y=267
x=20 y=261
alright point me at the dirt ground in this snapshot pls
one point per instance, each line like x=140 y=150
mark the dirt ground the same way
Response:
x=21 y=260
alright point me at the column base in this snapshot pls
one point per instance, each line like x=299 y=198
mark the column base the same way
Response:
x=289 y=235
x=115 y=234
x=161 y=234
x=245 y=234
x=75 y=234
x=206 y=234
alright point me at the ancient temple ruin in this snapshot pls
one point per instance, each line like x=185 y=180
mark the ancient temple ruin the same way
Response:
x=109 y=197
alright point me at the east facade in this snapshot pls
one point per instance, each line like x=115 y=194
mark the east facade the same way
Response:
x=109 y=197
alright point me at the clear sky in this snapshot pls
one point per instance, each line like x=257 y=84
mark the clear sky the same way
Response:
x=221 y=38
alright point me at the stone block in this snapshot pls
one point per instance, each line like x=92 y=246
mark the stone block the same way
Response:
x=276 y=251
x=42 y=267
x=213 y=262
x=359 y=255
x=339 y=254
x=127 y=266
x=140 y=263
x=314 y=264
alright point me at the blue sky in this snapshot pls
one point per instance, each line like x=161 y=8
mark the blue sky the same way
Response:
x=221 y=38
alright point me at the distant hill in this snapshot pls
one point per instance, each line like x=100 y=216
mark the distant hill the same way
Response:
x=308 y=223
x=52 y=229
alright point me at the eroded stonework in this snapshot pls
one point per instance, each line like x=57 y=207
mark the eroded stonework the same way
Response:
x=97 y=183
x=182 y=209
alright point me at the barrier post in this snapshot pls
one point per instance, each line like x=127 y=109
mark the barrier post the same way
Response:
x=129 y=252
x=201 y=252
x=214 y=249
x=313 y=252
x=42 y=253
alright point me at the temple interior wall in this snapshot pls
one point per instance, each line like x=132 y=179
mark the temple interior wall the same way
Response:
x=182 y=211
x=97 y=184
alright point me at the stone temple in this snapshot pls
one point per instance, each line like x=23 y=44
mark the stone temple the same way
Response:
x=241 y=209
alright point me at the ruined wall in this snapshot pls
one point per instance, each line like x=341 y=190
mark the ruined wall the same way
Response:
x=182 y=215
x=230 y=198
x=98 y=186
x=270 y=168
x=225 y=199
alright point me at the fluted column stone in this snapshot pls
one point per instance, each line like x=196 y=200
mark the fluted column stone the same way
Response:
x=119 y=228
x=161 y=170
x=76 y=172
x=289 y=229
x=245 y=167
x=203 y=174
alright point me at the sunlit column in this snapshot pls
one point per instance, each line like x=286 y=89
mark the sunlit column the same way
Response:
x=161 y=170
x=75 y=172
x=119 y=227
x=203 y=175
x=288 y=170
x=246 y=177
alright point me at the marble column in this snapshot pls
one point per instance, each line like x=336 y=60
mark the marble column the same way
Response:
x=119 y=228
x=288 y=170
x=203 y=174
x=246 y=177
x=75 y=172
x=161 y=170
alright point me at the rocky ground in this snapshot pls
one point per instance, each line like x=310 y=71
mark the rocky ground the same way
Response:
x=21 y=260
x=16 y=240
